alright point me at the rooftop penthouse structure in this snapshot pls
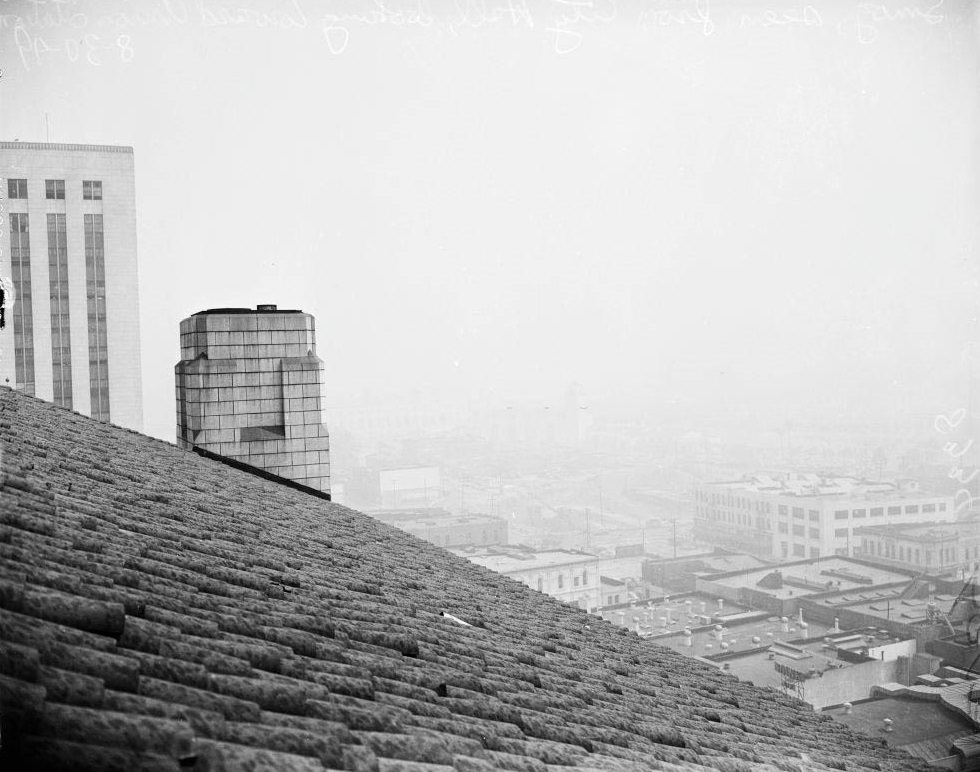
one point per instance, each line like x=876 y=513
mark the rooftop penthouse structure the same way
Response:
x=249 y=388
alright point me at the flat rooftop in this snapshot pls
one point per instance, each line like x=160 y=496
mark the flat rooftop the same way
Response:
x=888 y=604
x=914 y=721
x=267 y=308
x=811 y=577
x=440 y=522
x=817 y=486
x=508 y=562
x=741 y=638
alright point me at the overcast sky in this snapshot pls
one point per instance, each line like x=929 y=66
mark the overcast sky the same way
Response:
x=748 y=207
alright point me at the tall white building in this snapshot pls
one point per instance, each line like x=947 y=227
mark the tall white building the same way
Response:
x=793 y=516
x=72 y=333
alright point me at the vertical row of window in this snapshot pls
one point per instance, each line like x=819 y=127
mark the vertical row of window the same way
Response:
x=54 y=190
x=20 y=258
x=60 y=313
x=20 y=266
x=98 y=358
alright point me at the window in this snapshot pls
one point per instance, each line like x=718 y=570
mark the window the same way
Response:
x=540 y=584
x=17 y=189
x=928 y=507
x=561 y=581
x=98 y=357
x=92 y=190
x=784 y=548
x=799 y=551
x=912 y=509
x=798 y=530
x=877 y=512
x=783 y=527
x=585 y=577
x=814 y=533
x=60 y=315
x=916 y=555
x=575 y=581
x=901 y=553
x=798 y=513
x=814 y=516
x=859 y=513
x=814 y=552
x=783 y=509
x=54 y=189
x=248 y=433
x=942 y=507
x=840 y=533
x=894 y=510
x=840 y=514
x=23 y=313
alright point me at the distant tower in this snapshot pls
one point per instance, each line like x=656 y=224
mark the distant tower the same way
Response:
x=249 y=388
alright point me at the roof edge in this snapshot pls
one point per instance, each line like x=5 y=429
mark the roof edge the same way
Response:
x=66 y=146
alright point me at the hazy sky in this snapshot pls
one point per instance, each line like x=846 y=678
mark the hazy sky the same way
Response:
x=700 y=206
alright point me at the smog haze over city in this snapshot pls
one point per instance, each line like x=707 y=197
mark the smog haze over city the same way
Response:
x=713 y=222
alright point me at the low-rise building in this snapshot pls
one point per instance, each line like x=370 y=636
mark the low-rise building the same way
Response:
x=781 y=590
x=939 y=549
x=568 y=575
x=935 y=723
x=680 y=574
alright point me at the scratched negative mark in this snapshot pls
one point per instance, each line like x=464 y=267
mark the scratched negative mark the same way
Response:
x=6 y=297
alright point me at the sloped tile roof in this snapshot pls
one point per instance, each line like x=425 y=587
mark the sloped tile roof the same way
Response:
x=160 y=611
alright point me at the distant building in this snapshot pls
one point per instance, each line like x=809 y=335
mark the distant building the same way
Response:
x=249 y=387
x=793 y=516
x=834 y=583
x=614 y=591
x=72 y=333
x=940 y=549
x=681 y=574
x=407 y=486
x=568 y=575
x=445 y=529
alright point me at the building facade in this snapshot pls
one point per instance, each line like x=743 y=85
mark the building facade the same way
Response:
x=249 y=387
x=794 y=516
x=570 y=576
x=72 y=333
x=939 y=549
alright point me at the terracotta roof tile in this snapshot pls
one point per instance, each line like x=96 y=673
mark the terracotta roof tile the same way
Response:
x=160 y=611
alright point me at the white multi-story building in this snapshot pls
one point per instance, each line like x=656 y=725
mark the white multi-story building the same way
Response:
x=72 y=333
x=793 y=516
